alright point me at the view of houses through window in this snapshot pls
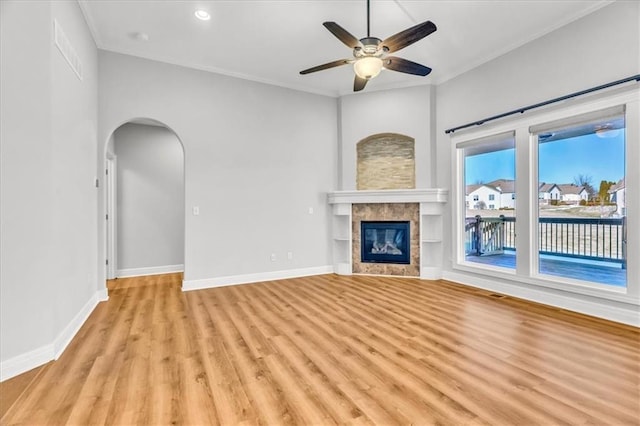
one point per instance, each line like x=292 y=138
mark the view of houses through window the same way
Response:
x=581 y=211
x=581 y=208
x=490 y=201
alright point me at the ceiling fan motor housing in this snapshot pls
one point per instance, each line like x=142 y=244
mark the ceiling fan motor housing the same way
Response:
x=370 y=46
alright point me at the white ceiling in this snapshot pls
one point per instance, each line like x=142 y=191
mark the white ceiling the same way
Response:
x=272 y=40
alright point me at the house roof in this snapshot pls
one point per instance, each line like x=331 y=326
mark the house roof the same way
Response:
x=503 y=185
x=546 y=187
x=471 y=188
x=475 y=187
x=570 y=188
x=617 y=187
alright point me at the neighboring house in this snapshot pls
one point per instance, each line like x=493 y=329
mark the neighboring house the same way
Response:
x=479 y=194
x=507 y=190
x=565 y=192
x=495 y=195
x=573 y=194
x=548 y=192
x=617 y=192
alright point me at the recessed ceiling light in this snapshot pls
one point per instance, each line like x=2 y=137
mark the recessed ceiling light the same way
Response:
x=202 y=15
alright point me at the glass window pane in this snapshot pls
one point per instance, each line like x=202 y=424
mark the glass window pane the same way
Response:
x=489 y=179
x=581 y=203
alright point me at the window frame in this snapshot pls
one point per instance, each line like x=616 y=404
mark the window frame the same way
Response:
x=569 y=120
x=527 y=193
x=493 y=141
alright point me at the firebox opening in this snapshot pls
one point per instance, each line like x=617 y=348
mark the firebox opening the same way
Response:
x=385 y=242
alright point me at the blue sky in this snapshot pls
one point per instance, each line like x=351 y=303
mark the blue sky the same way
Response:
x=560 y=161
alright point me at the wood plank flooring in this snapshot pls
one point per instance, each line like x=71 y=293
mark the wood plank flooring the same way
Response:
x=335 y=350
x=10 y=390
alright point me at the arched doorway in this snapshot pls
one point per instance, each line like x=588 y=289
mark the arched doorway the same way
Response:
x=144 y=200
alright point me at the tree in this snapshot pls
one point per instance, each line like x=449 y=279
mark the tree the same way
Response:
x=603 y=192
x=480 y=205
x=585 y=181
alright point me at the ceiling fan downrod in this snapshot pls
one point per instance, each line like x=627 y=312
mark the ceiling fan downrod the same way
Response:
x=368 y=20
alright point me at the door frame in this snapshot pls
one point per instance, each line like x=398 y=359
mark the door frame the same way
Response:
x=111 y=170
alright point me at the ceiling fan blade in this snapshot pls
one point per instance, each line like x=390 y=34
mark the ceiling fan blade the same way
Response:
x=408 y=36
x=359 y=83
x=343 y=35
x=326 y=66
x=402 y=65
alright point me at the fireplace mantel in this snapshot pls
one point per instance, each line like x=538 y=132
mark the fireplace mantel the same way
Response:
x=430 y=195
x=431 y=207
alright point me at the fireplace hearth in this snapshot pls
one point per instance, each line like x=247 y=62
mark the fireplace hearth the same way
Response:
x=385 y=242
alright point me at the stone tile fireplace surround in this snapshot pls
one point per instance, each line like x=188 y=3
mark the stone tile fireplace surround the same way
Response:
x=421 y=207
x=382 y=212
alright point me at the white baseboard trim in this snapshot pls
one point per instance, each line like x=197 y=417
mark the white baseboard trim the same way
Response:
x=604 y=309
x=103 y=295
x=189 y=285
x=25 y=362
x=39 y=356
x=64 y=338
x=151 y=270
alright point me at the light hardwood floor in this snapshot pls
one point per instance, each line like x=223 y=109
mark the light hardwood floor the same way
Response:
x=335 y=350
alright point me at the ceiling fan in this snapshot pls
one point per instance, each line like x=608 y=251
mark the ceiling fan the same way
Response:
x=370 y=54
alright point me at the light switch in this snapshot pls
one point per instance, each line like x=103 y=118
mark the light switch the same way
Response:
x=196 y=210
x=310 y=210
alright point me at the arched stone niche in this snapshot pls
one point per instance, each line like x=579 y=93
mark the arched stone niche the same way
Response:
x=386 y=161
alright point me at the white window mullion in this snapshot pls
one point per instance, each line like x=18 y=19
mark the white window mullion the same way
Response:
x=633 y=198
x=525 y=204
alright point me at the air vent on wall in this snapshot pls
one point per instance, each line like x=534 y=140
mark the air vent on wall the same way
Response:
x=69 y=53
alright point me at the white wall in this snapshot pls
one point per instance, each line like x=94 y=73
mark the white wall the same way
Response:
x=150 y=207
x=406 y=111
x=48 y=205
x=257 y=157
x=26 y=187
x=599 y=48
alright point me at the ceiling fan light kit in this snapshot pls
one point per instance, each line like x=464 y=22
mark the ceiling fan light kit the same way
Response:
x=368 y=67
x=370 y=54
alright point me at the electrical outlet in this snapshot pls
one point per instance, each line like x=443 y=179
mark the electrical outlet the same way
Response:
x=196 y=210
x=290 y=255
x=273 y=257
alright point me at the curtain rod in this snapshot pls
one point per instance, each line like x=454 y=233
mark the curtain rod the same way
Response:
x=551 y=101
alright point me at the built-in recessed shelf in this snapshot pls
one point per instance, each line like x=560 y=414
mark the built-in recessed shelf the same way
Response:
x=343 y=268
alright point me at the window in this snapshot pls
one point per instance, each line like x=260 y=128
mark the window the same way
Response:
x=579 y=231
x=581 y=235
x=489 y=234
